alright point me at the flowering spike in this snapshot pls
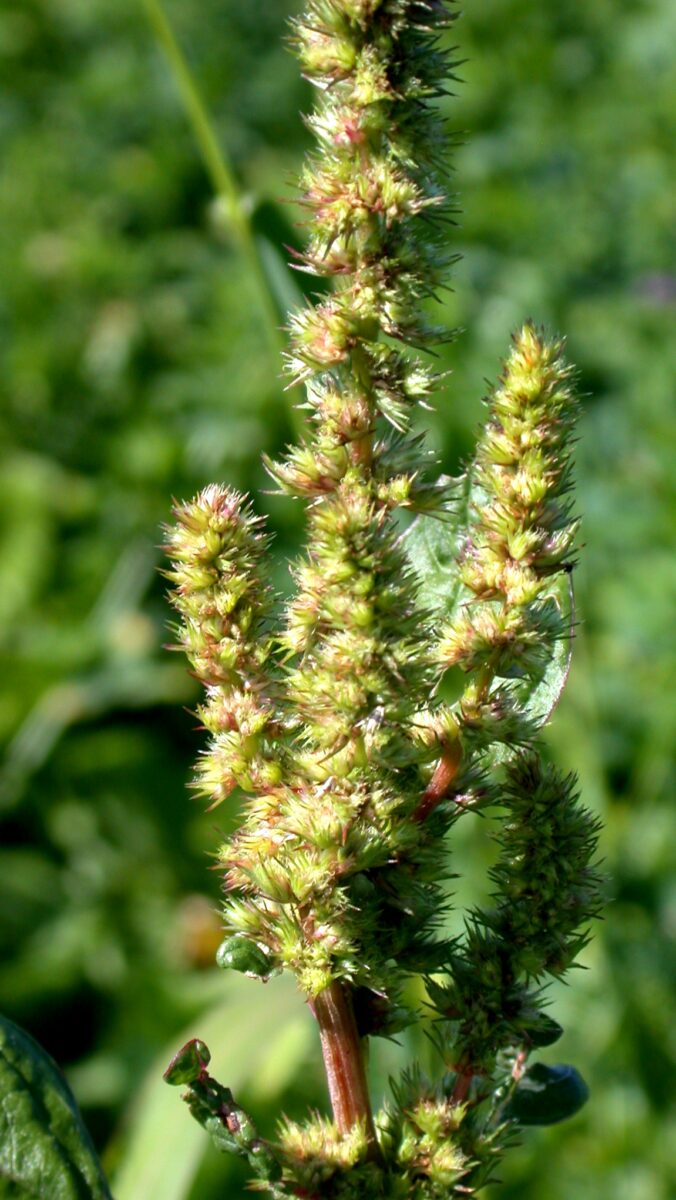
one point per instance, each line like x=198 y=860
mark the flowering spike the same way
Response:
x=516 y=551
x=546 y=892
x=330 y=881
x=331 y=720
x=216 y=546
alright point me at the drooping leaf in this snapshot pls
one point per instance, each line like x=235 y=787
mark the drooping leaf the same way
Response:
x=546 y=1095
x=45 y=1149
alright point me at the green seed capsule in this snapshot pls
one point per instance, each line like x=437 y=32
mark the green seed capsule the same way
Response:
x=239 y=954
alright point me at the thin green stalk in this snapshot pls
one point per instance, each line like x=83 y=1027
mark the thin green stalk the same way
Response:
x=225 y=184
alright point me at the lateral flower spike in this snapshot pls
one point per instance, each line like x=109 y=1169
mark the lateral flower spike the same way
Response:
x=516 y=559
x=327 y=713
x=217 y=547
x=524 y=532
x=546 y=891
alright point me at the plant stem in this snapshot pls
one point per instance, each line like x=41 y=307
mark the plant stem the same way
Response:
x=440 y=783
x=462 y=1086
x=344 y=1062
x=225 y=185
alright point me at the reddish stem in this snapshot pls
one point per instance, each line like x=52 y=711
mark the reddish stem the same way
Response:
x=461 y=1088
x=440 y=784
x=344 y=1062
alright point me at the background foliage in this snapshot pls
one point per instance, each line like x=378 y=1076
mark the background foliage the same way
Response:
x=139 y=364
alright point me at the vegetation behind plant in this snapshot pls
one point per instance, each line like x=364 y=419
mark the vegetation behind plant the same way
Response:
x=139 y=364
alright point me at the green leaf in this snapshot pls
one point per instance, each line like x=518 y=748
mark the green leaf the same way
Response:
x=433 y=543
x=45 y=1150
x=546 y=695
x=546 y=1095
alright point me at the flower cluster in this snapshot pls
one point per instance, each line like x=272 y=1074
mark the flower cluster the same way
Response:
x=328 y=714
x=217 y=547
x=546 y=892
x=515 y=559
x=343 y=885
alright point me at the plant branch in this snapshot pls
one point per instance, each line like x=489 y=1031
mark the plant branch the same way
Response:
x=441 y=782
x=344 y=1062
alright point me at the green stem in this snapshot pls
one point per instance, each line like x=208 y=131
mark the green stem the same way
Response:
x=225 y=184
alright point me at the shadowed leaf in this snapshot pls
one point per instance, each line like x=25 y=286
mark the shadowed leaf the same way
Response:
x=45 y=1149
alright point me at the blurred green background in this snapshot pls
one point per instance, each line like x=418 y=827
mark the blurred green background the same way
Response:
x=139 y=362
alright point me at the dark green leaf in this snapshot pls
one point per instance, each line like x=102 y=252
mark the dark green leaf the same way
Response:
x=546 y=1095
x=45 y=1150
x=543 y=1031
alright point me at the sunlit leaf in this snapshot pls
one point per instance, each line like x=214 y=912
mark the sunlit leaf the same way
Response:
x=432 y=546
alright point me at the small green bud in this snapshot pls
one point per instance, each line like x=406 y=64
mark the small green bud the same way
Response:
x=542 y=1031
x=240 y=954
x=188 y=1064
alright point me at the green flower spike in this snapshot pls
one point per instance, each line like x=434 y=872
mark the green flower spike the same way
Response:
x=329 y=716
x=217 y=548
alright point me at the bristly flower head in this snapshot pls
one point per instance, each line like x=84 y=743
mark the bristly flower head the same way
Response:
x=328 y=715
x=217 y=549
x=345 y=883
